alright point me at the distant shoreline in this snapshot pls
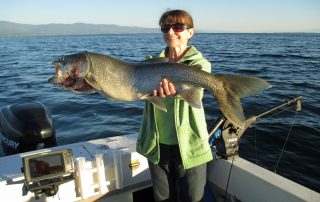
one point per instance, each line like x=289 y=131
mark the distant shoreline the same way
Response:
x=11 y=29
x=200 y=33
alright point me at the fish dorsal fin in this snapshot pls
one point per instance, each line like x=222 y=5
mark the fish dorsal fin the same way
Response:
x=192 y=95
x=156 y=101
x=156 y=60
x=199 y=67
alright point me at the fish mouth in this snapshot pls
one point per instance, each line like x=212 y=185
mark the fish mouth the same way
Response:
x=67 y=76
x=57 y=78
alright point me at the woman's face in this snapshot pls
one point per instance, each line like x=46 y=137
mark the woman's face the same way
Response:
x=177 y=39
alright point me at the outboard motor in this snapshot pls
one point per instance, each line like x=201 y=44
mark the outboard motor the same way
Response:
x=26 y=127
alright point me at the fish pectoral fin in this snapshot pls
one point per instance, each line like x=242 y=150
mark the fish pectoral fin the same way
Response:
x=86 y=91
x=92 y=81
x=156 y=101
x=192 y=95
x=82 y=86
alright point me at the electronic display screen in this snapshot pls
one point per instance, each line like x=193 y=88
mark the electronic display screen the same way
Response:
x=46 y=165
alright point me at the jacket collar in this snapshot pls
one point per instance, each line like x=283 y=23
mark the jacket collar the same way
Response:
x=191 y=54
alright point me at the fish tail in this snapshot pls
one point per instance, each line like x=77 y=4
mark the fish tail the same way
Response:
x=230 y=89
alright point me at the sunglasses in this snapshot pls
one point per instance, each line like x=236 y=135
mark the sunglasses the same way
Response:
x=178 y=27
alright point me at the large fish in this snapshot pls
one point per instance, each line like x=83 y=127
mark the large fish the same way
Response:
x=118 y=80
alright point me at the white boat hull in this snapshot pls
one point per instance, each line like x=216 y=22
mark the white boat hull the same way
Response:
x=249 y=182
x=126 y=172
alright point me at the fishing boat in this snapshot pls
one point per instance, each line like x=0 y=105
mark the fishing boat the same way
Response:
x=110 y=169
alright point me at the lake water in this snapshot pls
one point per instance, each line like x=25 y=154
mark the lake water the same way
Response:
x=290 y=62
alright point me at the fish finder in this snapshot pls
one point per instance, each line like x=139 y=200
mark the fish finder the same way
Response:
x=44 y=172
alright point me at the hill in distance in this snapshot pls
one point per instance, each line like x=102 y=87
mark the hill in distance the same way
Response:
x=17 y=29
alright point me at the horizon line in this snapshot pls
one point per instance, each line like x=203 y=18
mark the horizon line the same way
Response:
x=199 y=30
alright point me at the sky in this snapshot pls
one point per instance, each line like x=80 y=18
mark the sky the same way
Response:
x=210 y=15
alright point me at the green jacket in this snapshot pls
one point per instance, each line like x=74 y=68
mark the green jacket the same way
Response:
x=190 y=124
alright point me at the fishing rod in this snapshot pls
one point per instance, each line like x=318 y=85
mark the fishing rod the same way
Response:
x=224 y=136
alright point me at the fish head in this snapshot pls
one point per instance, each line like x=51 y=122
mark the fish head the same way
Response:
x=70 y=72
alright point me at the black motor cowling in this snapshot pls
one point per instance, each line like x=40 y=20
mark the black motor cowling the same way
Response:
x=26 y=127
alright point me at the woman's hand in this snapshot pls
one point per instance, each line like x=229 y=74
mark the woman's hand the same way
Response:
x=166 y=88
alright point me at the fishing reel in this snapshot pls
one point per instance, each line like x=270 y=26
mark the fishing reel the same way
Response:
x=224 y=136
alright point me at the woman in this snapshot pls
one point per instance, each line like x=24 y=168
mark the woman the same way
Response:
x=176 y=142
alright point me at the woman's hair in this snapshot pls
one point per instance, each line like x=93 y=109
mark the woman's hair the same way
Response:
x=176 y=16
